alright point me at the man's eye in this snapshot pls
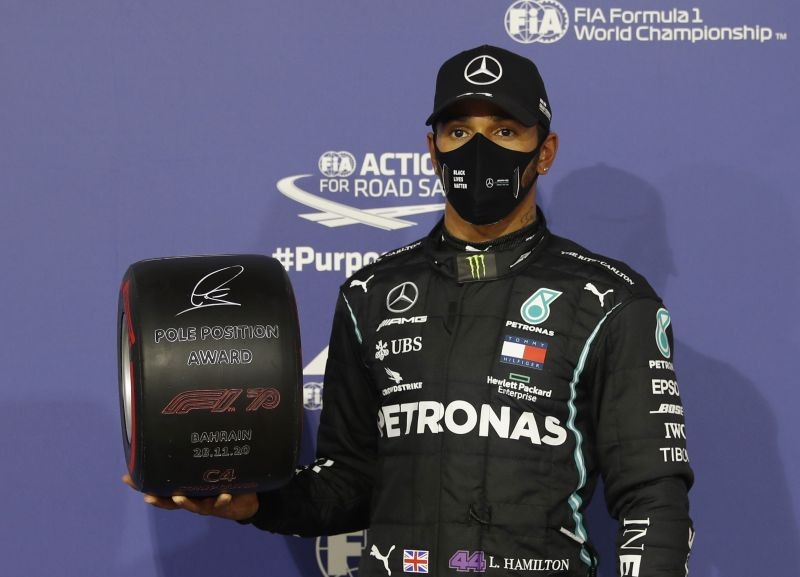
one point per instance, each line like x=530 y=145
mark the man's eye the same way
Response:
x=505 y=132
x=458 y=133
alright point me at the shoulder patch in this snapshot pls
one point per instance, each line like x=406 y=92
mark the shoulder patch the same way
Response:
x=612 y=268
x=400 y=250
x=362 y=278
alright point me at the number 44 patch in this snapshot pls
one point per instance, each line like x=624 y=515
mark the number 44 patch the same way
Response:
x=474 y=561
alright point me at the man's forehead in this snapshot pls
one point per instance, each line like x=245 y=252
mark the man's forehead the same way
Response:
x=473 y=107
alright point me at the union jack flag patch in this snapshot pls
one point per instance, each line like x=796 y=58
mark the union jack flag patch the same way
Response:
x=415 y=561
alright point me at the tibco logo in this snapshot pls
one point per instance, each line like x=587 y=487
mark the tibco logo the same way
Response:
x=543 y=21
x=333 y=163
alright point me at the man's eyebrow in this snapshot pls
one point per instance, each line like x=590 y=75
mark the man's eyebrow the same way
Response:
x=462 y=118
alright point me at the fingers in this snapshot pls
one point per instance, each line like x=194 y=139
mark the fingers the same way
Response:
x=200 y=506
x=153 y=500
x=218 y=505
x=223 y=500
x=129 y=482
x=160 y=502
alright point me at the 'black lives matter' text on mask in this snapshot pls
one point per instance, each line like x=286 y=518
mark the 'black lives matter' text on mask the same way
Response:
x=482 y=179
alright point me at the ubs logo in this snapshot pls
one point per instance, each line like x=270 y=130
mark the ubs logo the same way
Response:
x=544 y=21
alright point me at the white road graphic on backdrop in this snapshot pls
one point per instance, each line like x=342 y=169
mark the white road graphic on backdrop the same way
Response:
x=336 y=214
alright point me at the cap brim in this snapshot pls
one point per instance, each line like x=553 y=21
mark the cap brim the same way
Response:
x=514 y=110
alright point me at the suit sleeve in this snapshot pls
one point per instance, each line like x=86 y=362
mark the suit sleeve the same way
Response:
x=333 y=494
x=641 y=442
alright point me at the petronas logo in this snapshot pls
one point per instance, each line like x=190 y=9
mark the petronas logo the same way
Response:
x=536 y=309
x=663 y=320
x=477 y=266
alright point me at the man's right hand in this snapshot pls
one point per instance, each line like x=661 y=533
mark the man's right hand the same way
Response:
x=225 y=505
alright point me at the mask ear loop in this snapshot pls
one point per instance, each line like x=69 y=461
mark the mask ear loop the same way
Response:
x=445 y=178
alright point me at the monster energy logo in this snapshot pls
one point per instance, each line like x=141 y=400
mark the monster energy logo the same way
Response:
x=477 y=265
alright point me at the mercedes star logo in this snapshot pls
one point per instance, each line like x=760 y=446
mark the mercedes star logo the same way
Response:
x=483 y=70
x=489 y=183
x=402 y=297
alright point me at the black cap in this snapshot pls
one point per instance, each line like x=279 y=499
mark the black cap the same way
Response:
x=496 y=75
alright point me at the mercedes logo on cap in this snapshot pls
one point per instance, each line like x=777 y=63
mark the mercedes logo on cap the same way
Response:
x=402 y=297
x=483 y=70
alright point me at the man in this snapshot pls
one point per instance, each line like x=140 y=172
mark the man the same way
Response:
x=506 y=368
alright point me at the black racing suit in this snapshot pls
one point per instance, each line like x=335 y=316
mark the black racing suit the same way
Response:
x=470 y=400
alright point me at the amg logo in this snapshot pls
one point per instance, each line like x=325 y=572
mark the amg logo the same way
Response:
x=401 y=321
x=221 y=400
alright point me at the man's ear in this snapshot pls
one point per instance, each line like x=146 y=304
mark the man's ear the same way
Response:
x=432 y=149
x=547 y=154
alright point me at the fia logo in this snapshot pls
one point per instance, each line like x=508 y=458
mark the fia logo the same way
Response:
x=337 y=163
x=663 y=320
x=544 y=21
x=536 y=309
x=339 y=555
x=312 y=396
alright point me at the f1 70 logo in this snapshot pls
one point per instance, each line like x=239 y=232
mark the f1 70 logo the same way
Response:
x=536 y=309
x=221 y=400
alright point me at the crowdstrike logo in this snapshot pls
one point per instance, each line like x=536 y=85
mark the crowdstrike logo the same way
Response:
x=543 y=21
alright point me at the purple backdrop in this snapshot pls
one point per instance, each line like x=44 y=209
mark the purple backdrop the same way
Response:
x=140 y=129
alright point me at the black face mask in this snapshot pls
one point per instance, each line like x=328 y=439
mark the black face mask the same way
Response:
x=482 y=179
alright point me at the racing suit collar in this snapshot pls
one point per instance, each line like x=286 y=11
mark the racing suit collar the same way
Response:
x=492 y=263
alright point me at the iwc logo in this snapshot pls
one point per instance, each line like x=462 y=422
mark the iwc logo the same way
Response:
x=543 y=21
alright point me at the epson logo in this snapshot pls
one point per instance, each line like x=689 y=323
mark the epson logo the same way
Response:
x=664 y=386
x=401 y=321
x=461 y=418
